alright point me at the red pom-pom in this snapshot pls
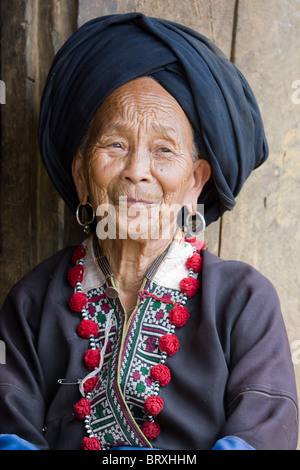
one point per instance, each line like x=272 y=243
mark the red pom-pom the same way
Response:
x=189 y=285
x=90 y=443
x=87 y=328
x=161 y=374
x=150 y=429
x=153 y=405
x=198 y=244
x=78 y=254
x=89 y=384
x=178 y=316
x=92 y=358
x=194 y=263
x=169 y=344
x=191 y=240
x=77 y=301
x=75 y=274
x=82 y=409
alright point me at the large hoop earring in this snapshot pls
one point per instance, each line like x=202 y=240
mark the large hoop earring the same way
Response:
x=195 y=225
x=83 y=217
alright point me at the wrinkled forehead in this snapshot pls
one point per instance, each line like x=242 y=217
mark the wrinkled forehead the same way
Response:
x=142 y=101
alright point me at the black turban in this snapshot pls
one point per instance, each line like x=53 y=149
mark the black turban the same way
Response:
x=109 y=51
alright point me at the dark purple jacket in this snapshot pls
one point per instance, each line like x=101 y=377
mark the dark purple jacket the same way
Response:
x=233 y=374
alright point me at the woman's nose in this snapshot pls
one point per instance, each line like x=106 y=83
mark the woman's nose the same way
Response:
x=137 y=167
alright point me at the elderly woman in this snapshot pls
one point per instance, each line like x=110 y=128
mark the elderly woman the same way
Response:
x=140 y=338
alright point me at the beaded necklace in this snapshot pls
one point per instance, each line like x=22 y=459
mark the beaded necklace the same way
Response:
x=168 y=343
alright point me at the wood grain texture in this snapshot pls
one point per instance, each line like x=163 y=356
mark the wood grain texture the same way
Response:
x=266 y=222
x=15 y=161
x=34 y=222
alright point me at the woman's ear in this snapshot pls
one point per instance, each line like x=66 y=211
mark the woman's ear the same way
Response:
x=79 y=178
x=202 y=172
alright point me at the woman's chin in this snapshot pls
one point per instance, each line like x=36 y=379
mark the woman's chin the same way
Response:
x=137 y=222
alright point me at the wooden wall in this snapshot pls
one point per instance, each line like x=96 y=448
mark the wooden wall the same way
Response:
x=260 y=36
x=34 y=222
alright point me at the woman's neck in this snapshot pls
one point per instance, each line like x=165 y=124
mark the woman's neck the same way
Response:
x=129 y=261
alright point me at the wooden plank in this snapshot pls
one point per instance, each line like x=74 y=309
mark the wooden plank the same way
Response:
x=266 y=223
x=33 y=217
x=64 y=23
x=15 y=200
x=43 y=198
x=214 y=19
x=264 y=228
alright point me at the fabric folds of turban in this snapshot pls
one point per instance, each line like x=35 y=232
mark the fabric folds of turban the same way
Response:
x=109 y=51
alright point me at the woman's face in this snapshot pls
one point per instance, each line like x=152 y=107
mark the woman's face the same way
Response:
x=140 y=151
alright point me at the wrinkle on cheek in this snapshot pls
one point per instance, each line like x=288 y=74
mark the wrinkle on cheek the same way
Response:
x=178 y=161
x=96 y=187
x=97 y=168
x=98 y=195
x=174 y=171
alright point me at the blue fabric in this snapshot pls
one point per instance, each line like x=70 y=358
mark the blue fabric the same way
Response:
x=227 y=443
x=232 y=443
x=14 y=442
x=109 y=51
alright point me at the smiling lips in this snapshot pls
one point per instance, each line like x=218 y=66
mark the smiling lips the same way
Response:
x=131 y=201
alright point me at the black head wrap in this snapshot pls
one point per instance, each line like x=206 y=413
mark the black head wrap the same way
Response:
x=109 y=51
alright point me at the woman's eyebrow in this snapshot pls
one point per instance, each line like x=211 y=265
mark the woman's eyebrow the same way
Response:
x=166 y=131
x=114 y=127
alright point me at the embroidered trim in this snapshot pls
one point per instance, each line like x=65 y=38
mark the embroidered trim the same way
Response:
x=129 y=371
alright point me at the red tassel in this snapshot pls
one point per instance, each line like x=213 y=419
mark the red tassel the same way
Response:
x=90 y=443
x=90 y=384
x=161 y=374
x=78 y=254
x=82 y=409
x=92 y=358
x=178 y=316
x=153 y=405
x=194 y=263
x=189 y=285
x=78 y=301
x=87 y=328
x=169 y=344
x=150 y=429
x=75 y=274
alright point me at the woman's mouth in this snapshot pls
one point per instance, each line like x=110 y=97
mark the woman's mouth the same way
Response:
x=130 y=201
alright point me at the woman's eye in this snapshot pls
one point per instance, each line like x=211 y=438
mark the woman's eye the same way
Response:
x=116 y=145
x=163 y=153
